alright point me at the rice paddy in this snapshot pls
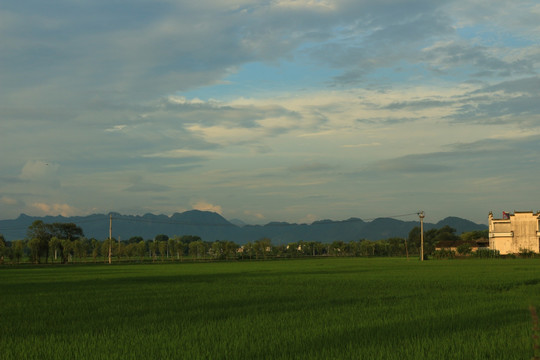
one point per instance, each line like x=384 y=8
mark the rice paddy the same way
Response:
x=324 y=308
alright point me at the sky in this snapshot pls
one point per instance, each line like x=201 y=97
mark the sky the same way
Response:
x=281 y=110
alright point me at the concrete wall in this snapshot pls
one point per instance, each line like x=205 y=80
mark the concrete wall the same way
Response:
x=520 y=231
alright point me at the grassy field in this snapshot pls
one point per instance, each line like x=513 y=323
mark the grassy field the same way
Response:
x=330 y=308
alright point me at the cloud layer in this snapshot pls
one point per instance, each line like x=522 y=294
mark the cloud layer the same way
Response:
x=269 y=110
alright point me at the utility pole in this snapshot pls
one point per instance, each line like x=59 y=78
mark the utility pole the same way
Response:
x=421 y=215
x=110 y=238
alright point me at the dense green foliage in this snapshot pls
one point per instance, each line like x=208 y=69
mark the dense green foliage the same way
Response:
x=325 y=308
x=65 y=243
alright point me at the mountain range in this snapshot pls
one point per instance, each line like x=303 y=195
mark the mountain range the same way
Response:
x=211 y=226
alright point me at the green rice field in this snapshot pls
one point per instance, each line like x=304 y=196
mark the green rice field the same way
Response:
x=324 y=308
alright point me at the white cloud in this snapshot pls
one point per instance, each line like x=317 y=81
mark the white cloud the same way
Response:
x=55 y=209
x=257 y=215
x=309 y=218
x=228 y=136
x=9 y=201
x=347 y=84
x=352 y=146
x=319 y=133
x=306 y=4
x=37 y=170
x=205 y=206
x=194 y=155
x=116 y=128
x=182 y=100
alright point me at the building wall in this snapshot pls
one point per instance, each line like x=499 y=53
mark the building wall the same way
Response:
x=520 y=231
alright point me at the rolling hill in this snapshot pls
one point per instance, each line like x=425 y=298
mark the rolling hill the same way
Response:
x=211 y=226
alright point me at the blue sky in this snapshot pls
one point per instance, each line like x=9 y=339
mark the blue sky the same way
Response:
x=283 y=110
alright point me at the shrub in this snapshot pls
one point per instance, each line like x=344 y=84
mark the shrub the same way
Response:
x=444 y=254
x=526 y=253
x=486 y=253
x=464 y=249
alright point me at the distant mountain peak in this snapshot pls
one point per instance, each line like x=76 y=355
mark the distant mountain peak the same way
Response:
x=279 y=223
x=211 y=226
x=461 y=225
x=200 y=217
x=324 y=221
x=238 y=222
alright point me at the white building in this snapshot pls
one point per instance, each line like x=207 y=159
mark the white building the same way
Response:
x=515 y=232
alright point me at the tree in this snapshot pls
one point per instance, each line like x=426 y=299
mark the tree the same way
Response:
x=130 y=250
x=218 y=249
x=474 y=235
x=348 y=248
x=337 y=248
x=95 y=249
x=381 y=248
x=231 y=249
x=367 y=248
x=446 y=235
x=135 y=239
x=171 y=247
x=153 y=247
x=311 y=247
x=55 y=245
x=44 y=232
x=18 y=250
x=162 y=246
x=105 y=245
x=249 y=250
x=262 y=247
x=464 y=249
x=292 y=249
x=197 y=248
x=192 y=246
x=120 y=250
x=39 y=234
x=202 y=248
x=34 y=245
x=80 y=248
x=413 y=240
x=186 y=239
x=3 y=248
x=141 y=249
x=179 y=247
x=8 y=253
x=67 y=249
x=69 y=231
x=320 y=248
x=161 y=237
x=396 y=246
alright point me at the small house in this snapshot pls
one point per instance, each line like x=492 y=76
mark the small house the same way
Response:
x=515 y=233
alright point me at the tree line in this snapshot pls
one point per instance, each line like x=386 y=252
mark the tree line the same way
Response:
x=65 y=243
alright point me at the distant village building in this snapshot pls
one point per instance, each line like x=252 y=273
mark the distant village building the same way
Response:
x=515 y=232
x=453 y=245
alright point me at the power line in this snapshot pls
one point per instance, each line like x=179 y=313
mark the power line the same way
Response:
x=392 y=216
